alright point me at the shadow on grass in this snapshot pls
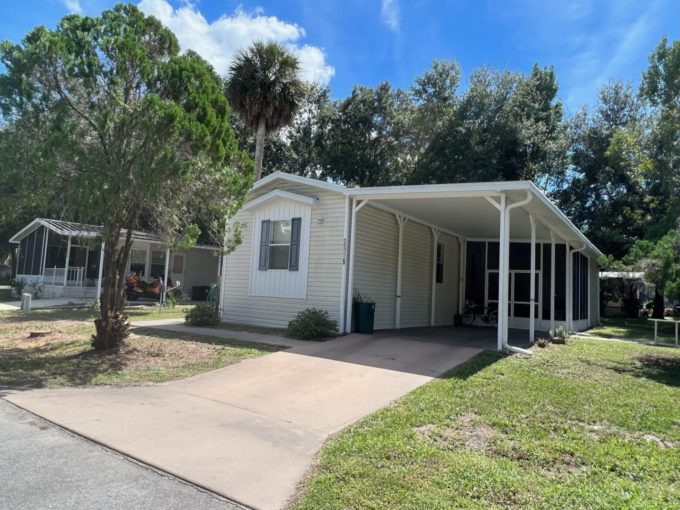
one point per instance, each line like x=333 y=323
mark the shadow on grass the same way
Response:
x=37 y=367
x=473 y=366
x=205 y=339
x=661 y=368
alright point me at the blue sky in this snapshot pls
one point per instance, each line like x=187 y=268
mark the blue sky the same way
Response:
x=365 y=42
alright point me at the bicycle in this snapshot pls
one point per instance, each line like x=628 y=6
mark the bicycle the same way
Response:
x=486 y=314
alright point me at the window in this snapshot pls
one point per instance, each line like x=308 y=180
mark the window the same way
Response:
x=440 y=263
x=280 y=245
x=157 y=264
x=138 y=261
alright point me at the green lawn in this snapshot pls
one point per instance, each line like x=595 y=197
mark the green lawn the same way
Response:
x=5 y=293
x=633 y=329
x=592 y=424
x=64 y=357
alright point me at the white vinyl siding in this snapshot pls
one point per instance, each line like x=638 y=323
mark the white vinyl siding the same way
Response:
x=375 y=272
x=446 y=302
x=416 y=289
x=375 y=267
x=280 y=282
x=323 y=271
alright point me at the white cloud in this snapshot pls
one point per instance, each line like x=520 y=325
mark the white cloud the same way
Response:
x=73 y=6
x=390 y=14
x=218 y=41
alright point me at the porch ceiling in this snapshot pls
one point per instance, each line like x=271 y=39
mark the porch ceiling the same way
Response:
x=473 y=217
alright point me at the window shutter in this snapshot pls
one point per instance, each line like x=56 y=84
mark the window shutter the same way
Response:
x=264 y=246
x=294 y=261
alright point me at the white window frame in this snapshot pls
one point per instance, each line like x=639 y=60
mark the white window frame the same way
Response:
x=271 y=244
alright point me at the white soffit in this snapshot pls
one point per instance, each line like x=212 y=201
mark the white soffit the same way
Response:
x=277 y=194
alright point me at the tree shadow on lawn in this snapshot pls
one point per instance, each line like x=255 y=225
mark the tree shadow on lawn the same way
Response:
x=37 y=367
x=656 y=367
x=473 y=366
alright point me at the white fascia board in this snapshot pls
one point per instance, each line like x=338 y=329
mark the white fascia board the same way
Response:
x=467 y=189
x=276 y=195
x=16 y=238
x=563 y=217
x=298 y=179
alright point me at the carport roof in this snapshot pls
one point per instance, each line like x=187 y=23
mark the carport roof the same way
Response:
x=471 y=215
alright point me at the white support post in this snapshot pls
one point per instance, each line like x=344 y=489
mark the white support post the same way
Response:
x=402 y=221
x=568 y=308
x=552 y=282
x=101 y=269
x=350 y=277
x=502 y=277
x=165 y=274
x=433 y=297
x=343 y=274
x=43 y=260
x=532 y=292
x=68 y=256
x=84 y=270
x=462 y=253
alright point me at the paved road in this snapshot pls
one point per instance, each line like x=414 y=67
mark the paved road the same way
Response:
x=42 y=466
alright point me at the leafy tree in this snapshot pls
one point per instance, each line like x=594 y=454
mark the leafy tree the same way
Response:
x=294 y=148
x=660 y=262
x=127 y=133
x=605 y=192
x=364 y=136
x=265 y=90
x=660 y=89
x=506 y=126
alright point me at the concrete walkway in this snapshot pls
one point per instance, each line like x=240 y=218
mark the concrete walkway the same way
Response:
x=250 y=431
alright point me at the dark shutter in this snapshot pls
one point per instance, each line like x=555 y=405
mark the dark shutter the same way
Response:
x=294 y=262
x=264 y=246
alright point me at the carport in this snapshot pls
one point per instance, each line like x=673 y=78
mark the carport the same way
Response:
x=515 y=251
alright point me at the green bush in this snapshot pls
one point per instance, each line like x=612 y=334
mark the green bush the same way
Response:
x=202 y=315
x=312 y=324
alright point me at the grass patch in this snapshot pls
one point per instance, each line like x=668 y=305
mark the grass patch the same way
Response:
x=5 y=293
x=64 y=357
x=590 y=424
x=633 y=329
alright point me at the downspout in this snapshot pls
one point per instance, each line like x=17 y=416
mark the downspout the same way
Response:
x=506 y=274
x=401 y=221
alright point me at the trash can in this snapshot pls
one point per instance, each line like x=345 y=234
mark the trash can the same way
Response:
x=364 y=316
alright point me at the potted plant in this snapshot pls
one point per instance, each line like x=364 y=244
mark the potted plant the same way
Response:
x=363 y=313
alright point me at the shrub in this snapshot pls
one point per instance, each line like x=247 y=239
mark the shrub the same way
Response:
x=542 y=342
x=201 y=315
x=312 y=324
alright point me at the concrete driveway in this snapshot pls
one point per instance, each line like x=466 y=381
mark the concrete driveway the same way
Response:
x=250 y=431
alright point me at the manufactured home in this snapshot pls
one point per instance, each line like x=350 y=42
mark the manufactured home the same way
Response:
x=65 y=260
x=424 y=254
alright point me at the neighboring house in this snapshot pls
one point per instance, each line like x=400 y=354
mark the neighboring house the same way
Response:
x=617 y=285
x=65 y=258
x=420 y=252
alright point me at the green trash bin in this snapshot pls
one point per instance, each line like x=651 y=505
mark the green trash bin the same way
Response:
x=364 y=316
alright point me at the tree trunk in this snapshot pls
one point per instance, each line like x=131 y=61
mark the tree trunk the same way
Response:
x=658 y=305
x=112 y=327
x=259 y=148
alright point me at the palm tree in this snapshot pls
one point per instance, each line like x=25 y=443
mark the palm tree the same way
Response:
x=265 y=89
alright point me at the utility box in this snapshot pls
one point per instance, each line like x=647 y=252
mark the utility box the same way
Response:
x=26 y=302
